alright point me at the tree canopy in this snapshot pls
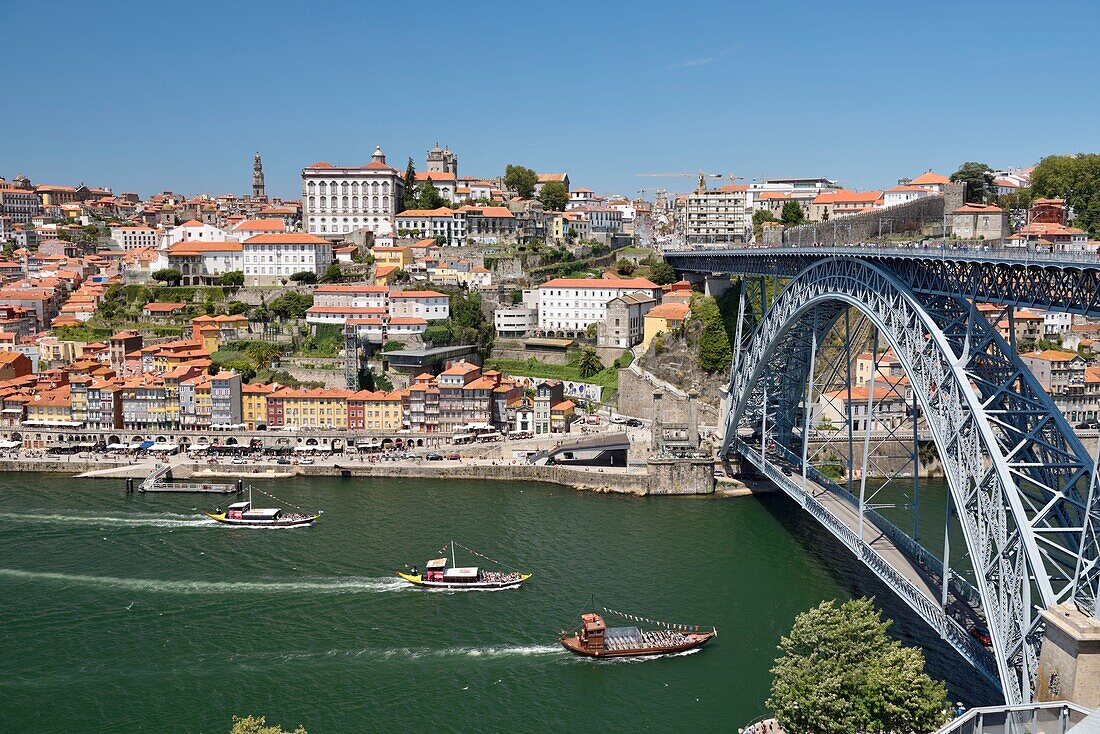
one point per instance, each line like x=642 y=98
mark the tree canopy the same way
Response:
x=410 y=186
x=428 y=196
x=588 y=362
x=1075 y=179
x=291 y=305
x=662 y=273
x=520 y=179
x=332 y=274
x=792 y=213
x=234 y=277
x=258 y=725
x=304 y=276
x=715 y=353
x=168 y=275
x=553 y=195
x=840 y=672
x=978 y=178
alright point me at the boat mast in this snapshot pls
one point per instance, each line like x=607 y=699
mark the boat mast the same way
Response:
x=454 y=563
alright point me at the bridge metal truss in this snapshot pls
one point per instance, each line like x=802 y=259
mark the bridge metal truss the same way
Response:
x=1018 y=477
x=1053 y=284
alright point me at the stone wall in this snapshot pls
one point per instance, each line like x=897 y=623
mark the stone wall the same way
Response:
x=636 y=399
x=911 y=217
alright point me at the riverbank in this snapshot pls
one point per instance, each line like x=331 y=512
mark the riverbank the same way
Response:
x=602 y=480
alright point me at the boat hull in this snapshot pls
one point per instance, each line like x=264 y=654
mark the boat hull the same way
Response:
x=296 y=523
x=417 y=580
x=695 y=640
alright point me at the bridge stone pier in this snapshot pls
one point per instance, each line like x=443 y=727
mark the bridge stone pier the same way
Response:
x=886 y=347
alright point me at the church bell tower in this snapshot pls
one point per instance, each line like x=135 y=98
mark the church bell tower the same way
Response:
x=258 y=178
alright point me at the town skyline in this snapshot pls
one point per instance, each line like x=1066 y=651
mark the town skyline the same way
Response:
x=623 y=93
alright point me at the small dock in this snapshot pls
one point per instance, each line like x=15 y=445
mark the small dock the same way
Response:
x=193 y=488
x=158 y=481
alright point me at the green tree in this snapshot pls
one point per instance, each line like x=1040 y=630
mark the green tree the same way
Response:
x=428 y=196
x=625 y=267
x=662 y=273
x=236 y=307
x=235 y=277
x=438 y=334
x=401 y=276
x=1075 y=179
x=792 y=213
x=263 y=354
x=304 y=276
x=410 y=186
x=393 y=345
x=258 y=725
x=588 y=362
x=840 y=673
x=168 y=275
x=978 y=178
x=521 y=180
x=332 y=274
x=758 y=218
x=715 y=353
x=291 y=305
x=553 y=195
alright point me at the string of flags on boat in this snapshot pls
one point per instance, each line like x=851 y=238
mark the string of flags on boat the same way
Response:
x=443 y=550
x=296 y=507
x=655 y=622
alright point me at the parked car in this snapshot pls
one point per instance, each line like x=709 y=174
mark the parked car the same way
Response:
x=283 y=460
x=434 y=457
x=305 y=460
x=239 y=460
x=455 y=457
x=634 y=423
x=981 y=634
x=618 y=419
x=1090 y=423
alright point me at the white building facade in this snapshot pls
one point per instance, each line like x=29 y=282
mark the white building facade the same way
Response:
x=571 y=304
x=338 y=200
x=269 y=259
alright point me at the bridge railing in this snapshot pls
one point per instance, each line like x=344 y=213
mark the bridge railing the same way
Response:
x=993 y=252
x=1051 y=717
x=948 y=629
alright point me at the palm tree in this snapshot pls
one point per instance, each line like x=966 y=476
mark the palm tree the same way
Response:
x=588 y=362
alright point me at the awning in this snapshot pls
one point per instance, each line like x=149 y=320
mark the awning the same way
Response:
x=303 y=449
x=117 y=447
x=164 y=447
x=10 y=444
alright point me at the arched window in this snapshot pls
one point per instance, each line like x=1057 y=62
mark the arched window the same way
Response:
x=345 y=203
x=344 y=186
x=355 y=202
x=385 y=187
x=323 y=202
x=374 y=202
x=311 y=186
x=355 y=187
x=322 y=187
x=312 y=202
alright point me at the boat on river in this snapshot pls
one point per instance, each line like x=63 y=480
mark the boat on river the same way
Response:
x=243 y=514
x=594 y=639
x=443 y=573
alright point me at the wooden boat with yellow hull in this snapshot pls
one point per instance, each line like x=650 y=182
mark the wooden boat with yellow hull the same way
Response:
x=440 y=574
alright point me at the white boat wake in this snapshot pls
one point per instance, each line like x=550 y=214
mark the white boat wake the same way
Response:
x=350 y=585
x=167 y=520
x=446 y=652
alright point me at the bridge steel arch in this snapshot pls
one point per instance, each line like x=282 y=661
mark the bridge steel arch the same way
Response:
x=1014 y=467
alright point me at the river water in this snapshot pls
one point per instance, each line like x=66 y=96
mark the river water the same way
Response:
x=129 y=613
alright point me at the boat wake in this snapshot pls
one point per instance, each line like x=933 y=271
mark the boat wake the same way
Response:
x=642 y=658
x=166 y=520
x=447 y=652
x=350 y=585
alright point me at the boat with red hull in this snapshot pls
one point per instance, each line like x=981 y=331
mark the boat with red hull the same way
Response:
x=595 y=639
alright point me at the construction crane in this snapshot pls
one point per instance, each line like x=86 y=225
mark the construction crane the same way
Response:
x=686 y=174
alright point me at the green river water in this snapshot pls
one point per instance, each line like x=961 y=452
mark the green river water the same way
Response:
x=129 y=613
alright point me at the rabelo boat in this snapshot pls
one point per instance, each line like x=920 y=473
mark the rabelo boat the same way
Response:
x=443 y=573
x=243 y=514
x=594 y=639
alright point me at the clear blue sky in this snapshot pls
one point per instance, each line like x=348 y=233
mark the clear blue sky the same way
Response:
x=151 y=96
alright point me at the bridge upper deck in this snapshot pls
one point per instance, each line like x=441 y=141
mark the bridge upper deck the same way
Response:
x=1056 y=281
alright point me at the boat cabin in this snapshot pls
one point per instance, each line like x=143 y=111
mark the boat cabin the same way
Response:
x=236 y=510
x=464 y=575
x=592 y=631
x=433 y=569
x=270 y=515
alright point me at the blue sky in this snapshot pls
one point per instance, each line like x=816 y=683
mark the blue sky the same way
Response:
x=151 y=96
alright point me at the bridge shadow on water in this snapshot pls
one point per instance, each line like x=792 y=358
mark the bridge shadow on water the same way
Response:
x=942 y=662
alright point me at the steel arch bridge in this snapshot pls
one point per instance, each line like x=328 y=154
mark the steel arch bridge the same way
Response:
x=1021 y=482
